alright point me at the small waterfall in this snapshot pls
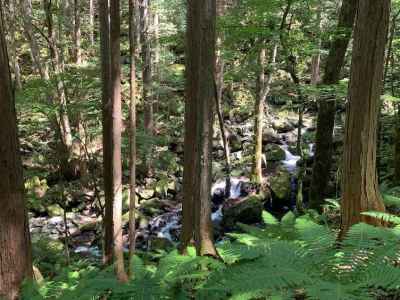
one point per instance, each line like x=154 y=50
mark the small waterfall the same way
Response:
x=291 y=160
x=236 y=191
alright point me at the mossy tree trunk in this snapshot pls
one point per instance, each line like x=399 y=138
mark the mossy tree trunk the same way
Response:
x=360 y=189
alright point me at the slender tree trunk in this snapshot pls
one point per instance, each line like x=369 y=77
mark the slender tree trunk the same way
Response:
x=220 y=66
x=157 y=53
x=57 y=65
x=77 y=32
x=396 y=178
x=26 y=12
x=115 y=54
x=15 y=250
x=91 y=22
x=263 y=88
x=133 y=31
x=12 y=33
x=201 y=39
x=360 y=184
x=259 y=119
x=104 y=17
x=327 y=107
x=147 y=76
x=146 y=58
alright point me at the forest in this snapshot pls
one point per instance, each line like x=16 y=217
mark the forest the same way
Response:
x=199 y=149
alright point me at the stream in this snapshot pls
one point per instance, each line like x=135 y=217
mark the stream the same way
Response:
x=82 y=227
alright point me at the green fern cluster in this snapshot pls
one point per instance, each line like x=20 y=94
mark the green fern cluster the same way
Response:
x=291 y=259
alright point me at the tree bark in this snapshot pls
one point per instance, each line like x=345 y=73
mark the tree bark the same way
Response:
x=65 y=127
x=327 y=107
x=115 y=56
x=219 y=71
x=263 y=88
x=77 y=32
x=147 y=76
x=360 y=190
x=133 y=31
x=15 y=250
x=104 y=16
x=91 y=22
x=199 y=115
x=146 y=58
x=26 y=12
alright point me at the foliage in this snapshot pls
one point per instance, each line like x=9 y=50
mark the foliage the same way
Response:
x=283 y=260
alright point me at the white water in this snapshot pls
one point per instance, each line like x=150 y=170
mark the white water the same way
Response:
x=235 y=192
x=291 y=160
x=236 y=183
x=311 y=150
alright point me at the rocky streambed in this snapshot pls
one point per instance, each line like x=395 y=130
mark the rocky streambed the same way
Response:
x=159 y=219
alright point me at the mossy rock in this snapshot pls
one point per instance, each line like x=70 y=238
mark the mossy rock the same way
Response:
x=280 y=184
x=152 y=207
x=274 y=153
x=247 y=210
x=54 y=210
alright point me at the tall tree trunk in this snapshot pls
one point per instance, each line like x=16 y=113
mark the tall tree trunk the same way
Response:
x=12 y=14
x=220 y=66
x=259 y=119
x=263 y=88
x=115 y=54
x=15 y=250
x=57 y=66
x=146 y=58
x=77 y=32
x=91 y=22
x=104 y=17
x=327 y=107
x=360 y=190
x=201 y=39
x=157 y=53
x=133 y=31
x=147 y=76
x=26 y=12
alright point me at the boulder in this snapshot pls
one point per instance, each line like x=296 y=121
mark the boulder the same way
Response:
x=54 y=210
x=246 y=210
x=274 y=153
x=145 y=193
x=280 y=184
x=282 y=125
x=235 y=142
x=161 y=243
x=270 y=136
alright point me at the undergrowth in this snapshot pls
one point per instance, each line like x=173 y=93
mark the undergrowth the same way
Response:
x=296 y=258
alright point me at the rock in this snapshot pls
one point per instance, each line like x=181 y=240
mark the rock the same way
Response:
x=91 y=226
x=270 y=136
x=152 y=207
x=246 y=210
x=282 y=125
x=235 y=142
x=159 y=243
x=142 y=221
x=274 y=153
x=146 y=193
x=280 y=184
x=218 y=169
x=54 y=210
